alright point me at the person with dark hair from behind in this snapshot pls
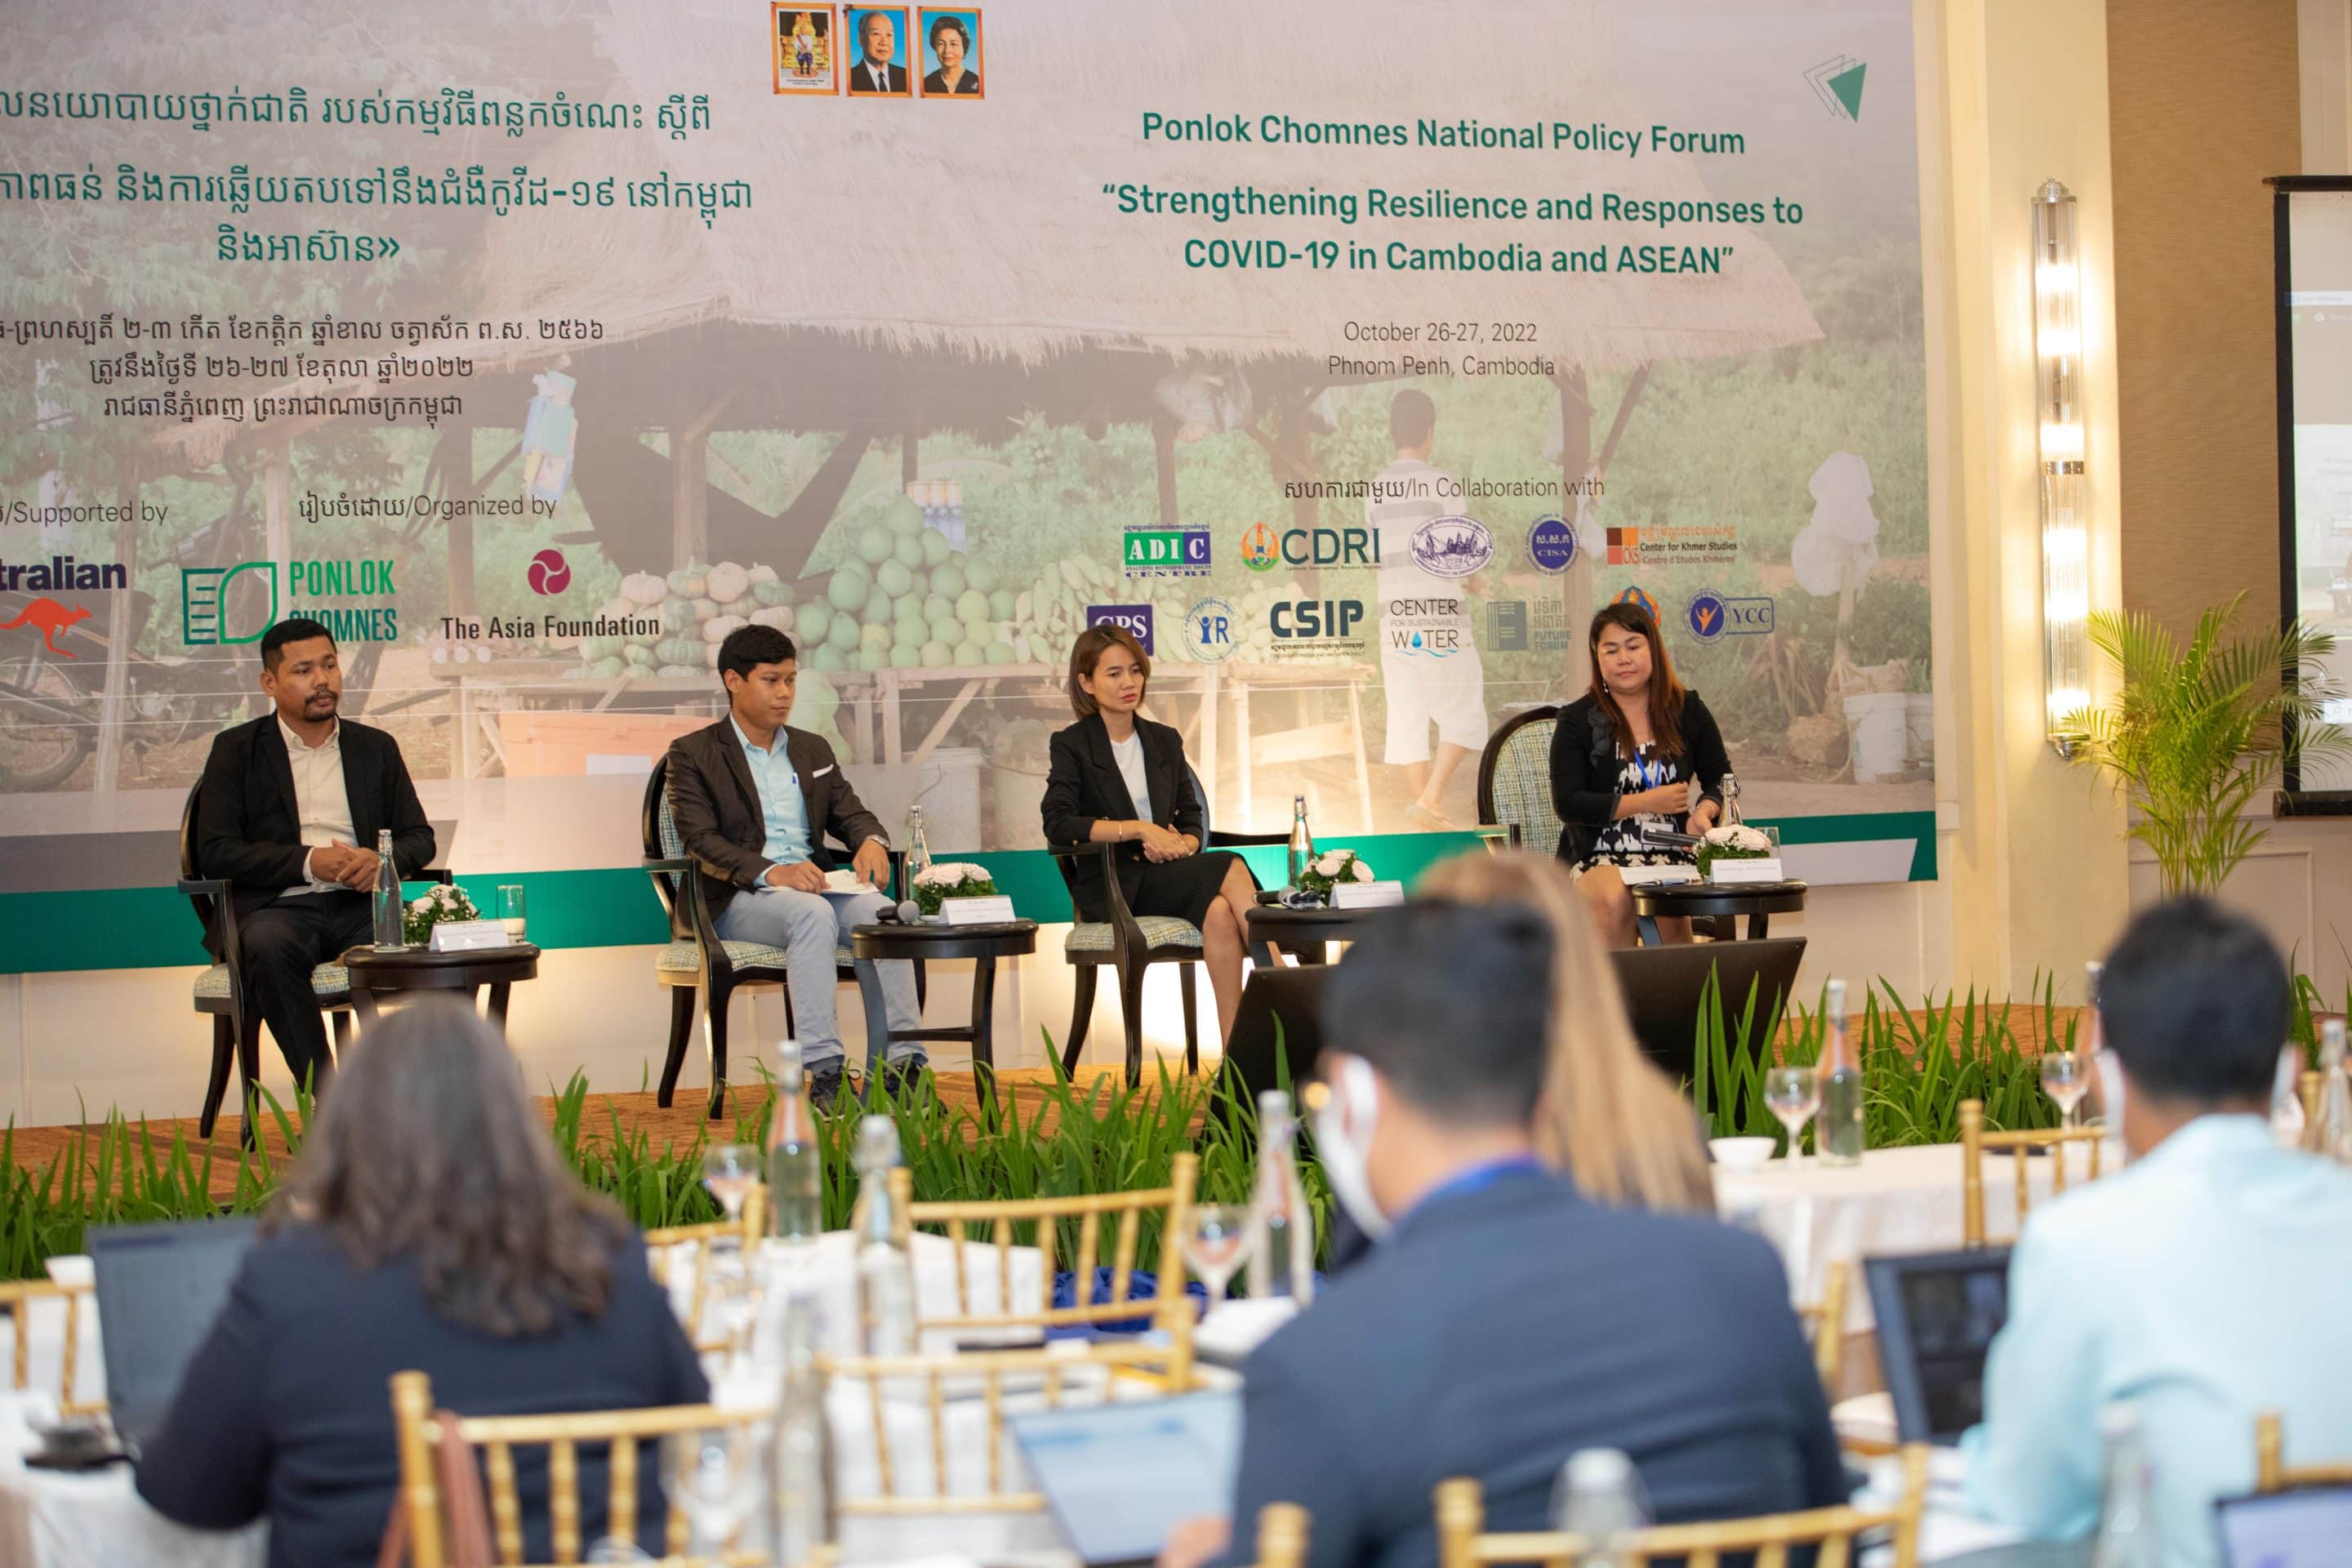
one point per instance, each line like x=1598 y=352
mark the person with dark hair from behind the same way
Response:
x=429 y=1225
x=754 y=800
x=288 y=813
x=2205 y=1283
x=1504 y=1321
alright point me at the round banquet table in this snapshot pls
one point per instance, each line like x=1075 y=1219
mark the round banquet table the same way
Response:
x=1759 y=901
x=1304 y=933
x=983 y=944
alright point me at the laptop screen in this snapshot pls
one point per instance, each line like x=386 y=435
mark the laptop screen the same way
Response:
x=2304 y=1528
x=159 y=1289
x=1938 y=1313
x=1119 y=1477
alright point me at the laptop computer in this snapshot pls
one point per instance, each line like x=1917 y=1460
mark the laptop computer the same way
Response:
x=159 y=1289
x=1119 y=1477
x=1937 y=1312
x=2307 y=1528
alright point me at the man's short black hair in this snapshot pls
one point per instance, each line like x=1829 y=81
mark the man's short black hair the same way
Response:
x=747 y=647
x=293 y=629
x=951 y=24
x=1452 y=1003
x=1413 y=418
x=2197 y=1003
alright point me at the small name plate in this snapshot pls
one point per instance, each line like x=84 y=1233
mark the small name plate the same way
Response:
x=1366 y=895
x=1767 y=870
x=1653 y=876
x=987 y=909
x=466 y=936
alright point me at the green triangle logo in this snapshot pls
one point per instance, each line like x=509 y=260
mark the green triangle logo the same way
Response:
x=1847 y=84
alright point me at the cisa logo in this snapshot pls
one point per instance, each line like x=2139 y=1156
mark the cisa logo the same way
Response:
x=1551 y=544
x=1452 y=546
x=549 y=573
x=1260 y=549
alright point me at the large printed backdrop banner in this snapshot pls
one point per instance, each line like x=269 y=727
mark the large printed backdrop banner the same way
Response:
x=1352 y=355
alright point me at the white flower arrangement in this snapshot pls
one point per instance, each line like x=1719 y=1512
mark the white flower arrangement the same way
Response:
x=944 y=879
x=1735 y=841
x=1333 y=866
x=442 y=902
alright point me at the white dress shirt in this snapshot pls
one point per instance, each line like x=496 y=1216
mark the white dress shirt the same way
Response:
x=1128 y=753
x=879 y=76
x=321 y=804
x=2206 y=1284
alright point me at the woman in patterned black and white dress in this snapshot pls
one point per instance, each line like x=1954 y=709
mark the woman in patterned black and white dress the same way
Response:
x=1625 y=756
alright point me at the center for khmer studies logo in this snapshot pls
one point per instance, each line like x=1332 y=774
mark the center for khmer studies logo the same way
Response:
x=1452 y=546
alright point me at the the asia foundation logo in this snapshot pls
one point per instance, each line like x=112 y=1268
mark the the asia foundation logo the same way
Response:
x=231 y=606
x=1452 y=546
x=549 y=573
x=1212 y=631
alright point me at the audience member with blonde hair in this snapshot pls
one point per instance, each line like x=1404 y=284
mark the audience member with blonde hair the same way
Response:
x=1609 y=1117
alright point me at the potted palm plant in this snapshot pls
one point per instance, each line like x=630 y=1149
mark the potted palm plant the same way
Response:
x=2194 y=734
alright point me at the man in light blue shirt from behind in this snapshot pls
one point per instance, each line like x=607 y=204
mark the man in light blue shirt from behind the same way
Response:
x=2205 y=1284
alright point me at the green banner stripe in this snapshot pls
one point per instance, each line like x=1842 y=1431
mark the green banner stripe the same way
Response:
x=150 y=928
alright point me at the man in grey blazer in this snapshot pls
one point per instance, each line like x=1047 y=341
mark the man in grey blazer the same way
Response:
x=1501 y=1322
x=754 y=800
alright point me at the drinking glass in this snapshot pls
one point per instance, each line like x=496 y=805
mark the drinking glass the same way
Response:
x=1793 y=1094
x=2065 y=1078
x=1216 y=1242
x=714 y=1475
x=730 y=1171
x=510 y=909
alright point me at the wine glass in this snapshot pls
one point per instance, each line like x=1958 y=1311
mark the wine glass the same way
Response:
x=1793 y=1095
x=1216 y=1240
x=2065 y=1078
x=730 y=1171
x=714 y=1475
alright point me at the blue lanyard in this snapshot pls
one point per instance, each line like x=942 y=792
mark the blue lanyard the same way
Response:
x=1477 y=1179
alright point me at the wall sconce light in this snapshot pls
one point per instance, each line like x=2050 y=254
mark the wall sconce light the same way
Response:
x=2065 y=533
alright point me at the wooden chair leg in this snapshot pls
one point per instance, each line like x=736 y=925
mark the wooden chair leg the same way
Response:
x=681 y=1031
x=714 y=1017
x=1082 y=1016
x=248 y=1077
x=1130 y=1015
x=922 y=988
x=1190 y=972
x=217 y=1085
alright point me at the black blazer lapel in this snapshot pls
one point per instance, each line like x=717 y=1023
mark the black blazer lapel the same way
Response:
x=1159 y=772
x=363 y=784
x=730 y=756
x=269 y=751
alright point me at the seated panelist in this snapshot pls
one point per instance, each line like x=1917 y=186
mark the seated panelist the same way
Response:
x=754 y=800
x=288 y=813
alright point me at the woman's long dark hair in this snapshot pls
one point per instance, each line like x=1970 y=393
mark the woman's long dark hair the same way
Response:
x=428 y=1148
x=1666 y=693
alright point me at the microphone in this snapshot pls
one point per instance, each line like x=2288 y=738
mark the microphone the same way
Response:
x=906 y=912
x=1665 y=838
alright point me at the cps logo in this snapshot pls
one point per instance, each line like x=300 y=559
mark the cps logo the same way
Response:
x=1212 y=631
x=1260 y=549
x=549 y=572
x=1133 y=619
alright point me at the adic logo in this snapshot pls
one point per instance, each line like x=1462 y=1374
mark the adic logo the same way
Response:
x=1335 y=619
x=204 y=617
x=1650 y=606
x=48 y=617
x=1452 y=546
x=1166 y=552
x=1261 y=550
x=1212 y=631
x=1712 y=616
x=1134 y=619
x=550 y=572
x=1551 y=544
x=1507 y=626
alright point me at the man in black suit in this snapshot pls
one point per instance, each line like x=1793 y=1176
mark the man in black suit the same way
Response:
x=875 y=75
x=288 y=813
x=753 y=799
x=1503 y=1322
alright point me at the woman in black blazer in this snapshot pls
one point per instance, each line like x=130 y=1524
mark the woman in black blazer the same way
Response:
x=1090 y=798
x=430 y=1226
x=1623 y=756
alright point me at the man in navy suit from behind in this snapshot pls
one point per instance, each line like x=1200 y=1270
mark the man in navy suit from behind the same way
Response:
x=1502 y=1322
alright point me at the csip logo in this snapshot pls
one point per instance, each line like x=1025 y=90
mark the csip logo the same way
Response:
x=549 y=572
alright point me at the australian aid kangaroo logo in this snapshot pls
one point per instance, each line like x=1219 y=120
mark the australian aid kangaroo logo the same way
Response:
x=49 y=618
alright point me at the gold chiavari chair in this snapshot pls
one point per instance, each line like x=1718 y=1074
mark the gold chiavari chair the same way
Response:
x=1975 y=1141
x=938 y=1385
x=437 y=1521
x=20 y=1298
x=671 y=1247
x=2274 y=1474
x=2306 y=1089
x=1826 y=1318
x=1462 y=1541
x=995 y=1220
x=1282 y=1534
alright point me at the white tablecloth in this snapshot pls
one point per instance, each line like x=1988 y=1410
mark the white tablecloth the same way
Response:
x=93 y=1519
x=1897 y=1200
x=827 y=1267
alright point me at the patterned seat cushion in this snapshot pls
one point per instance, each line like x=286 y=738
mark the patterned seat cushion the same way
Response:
x=678 y=957
x=1159 y=931
x=327 y=980
x=1523 y=787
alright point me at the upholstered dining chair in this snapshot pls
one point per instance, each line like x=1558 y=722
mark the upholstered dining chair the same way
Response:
x=1825 y=1317
x=77 y=1306
x=1976 y=1143
x=698 y=964
x=2274 y=1474
x=1462 y=1540
x=1514 y=781
x=220 y=990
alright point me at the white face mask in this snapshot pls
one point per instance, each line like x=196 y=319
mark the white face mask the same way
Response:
x=1343 y=1142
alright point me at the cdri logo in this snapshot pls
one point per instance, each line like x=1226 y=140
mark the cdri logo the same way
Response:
x=1260 y=549
x=549 y=573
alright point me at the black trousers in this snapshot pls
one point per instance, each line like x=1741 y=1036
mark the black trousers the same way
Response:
x=283 y=940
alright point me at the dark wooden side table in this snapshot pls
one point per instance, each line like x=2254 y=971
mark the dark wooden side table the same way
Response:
x=377 y=973
x=1304 y=933
x=1759 y=901
x=983 y=944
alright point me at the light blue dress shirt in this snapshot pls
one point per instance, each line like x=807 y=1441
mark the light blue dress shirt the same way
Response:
x=782 y=805
x=2207 y=1284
